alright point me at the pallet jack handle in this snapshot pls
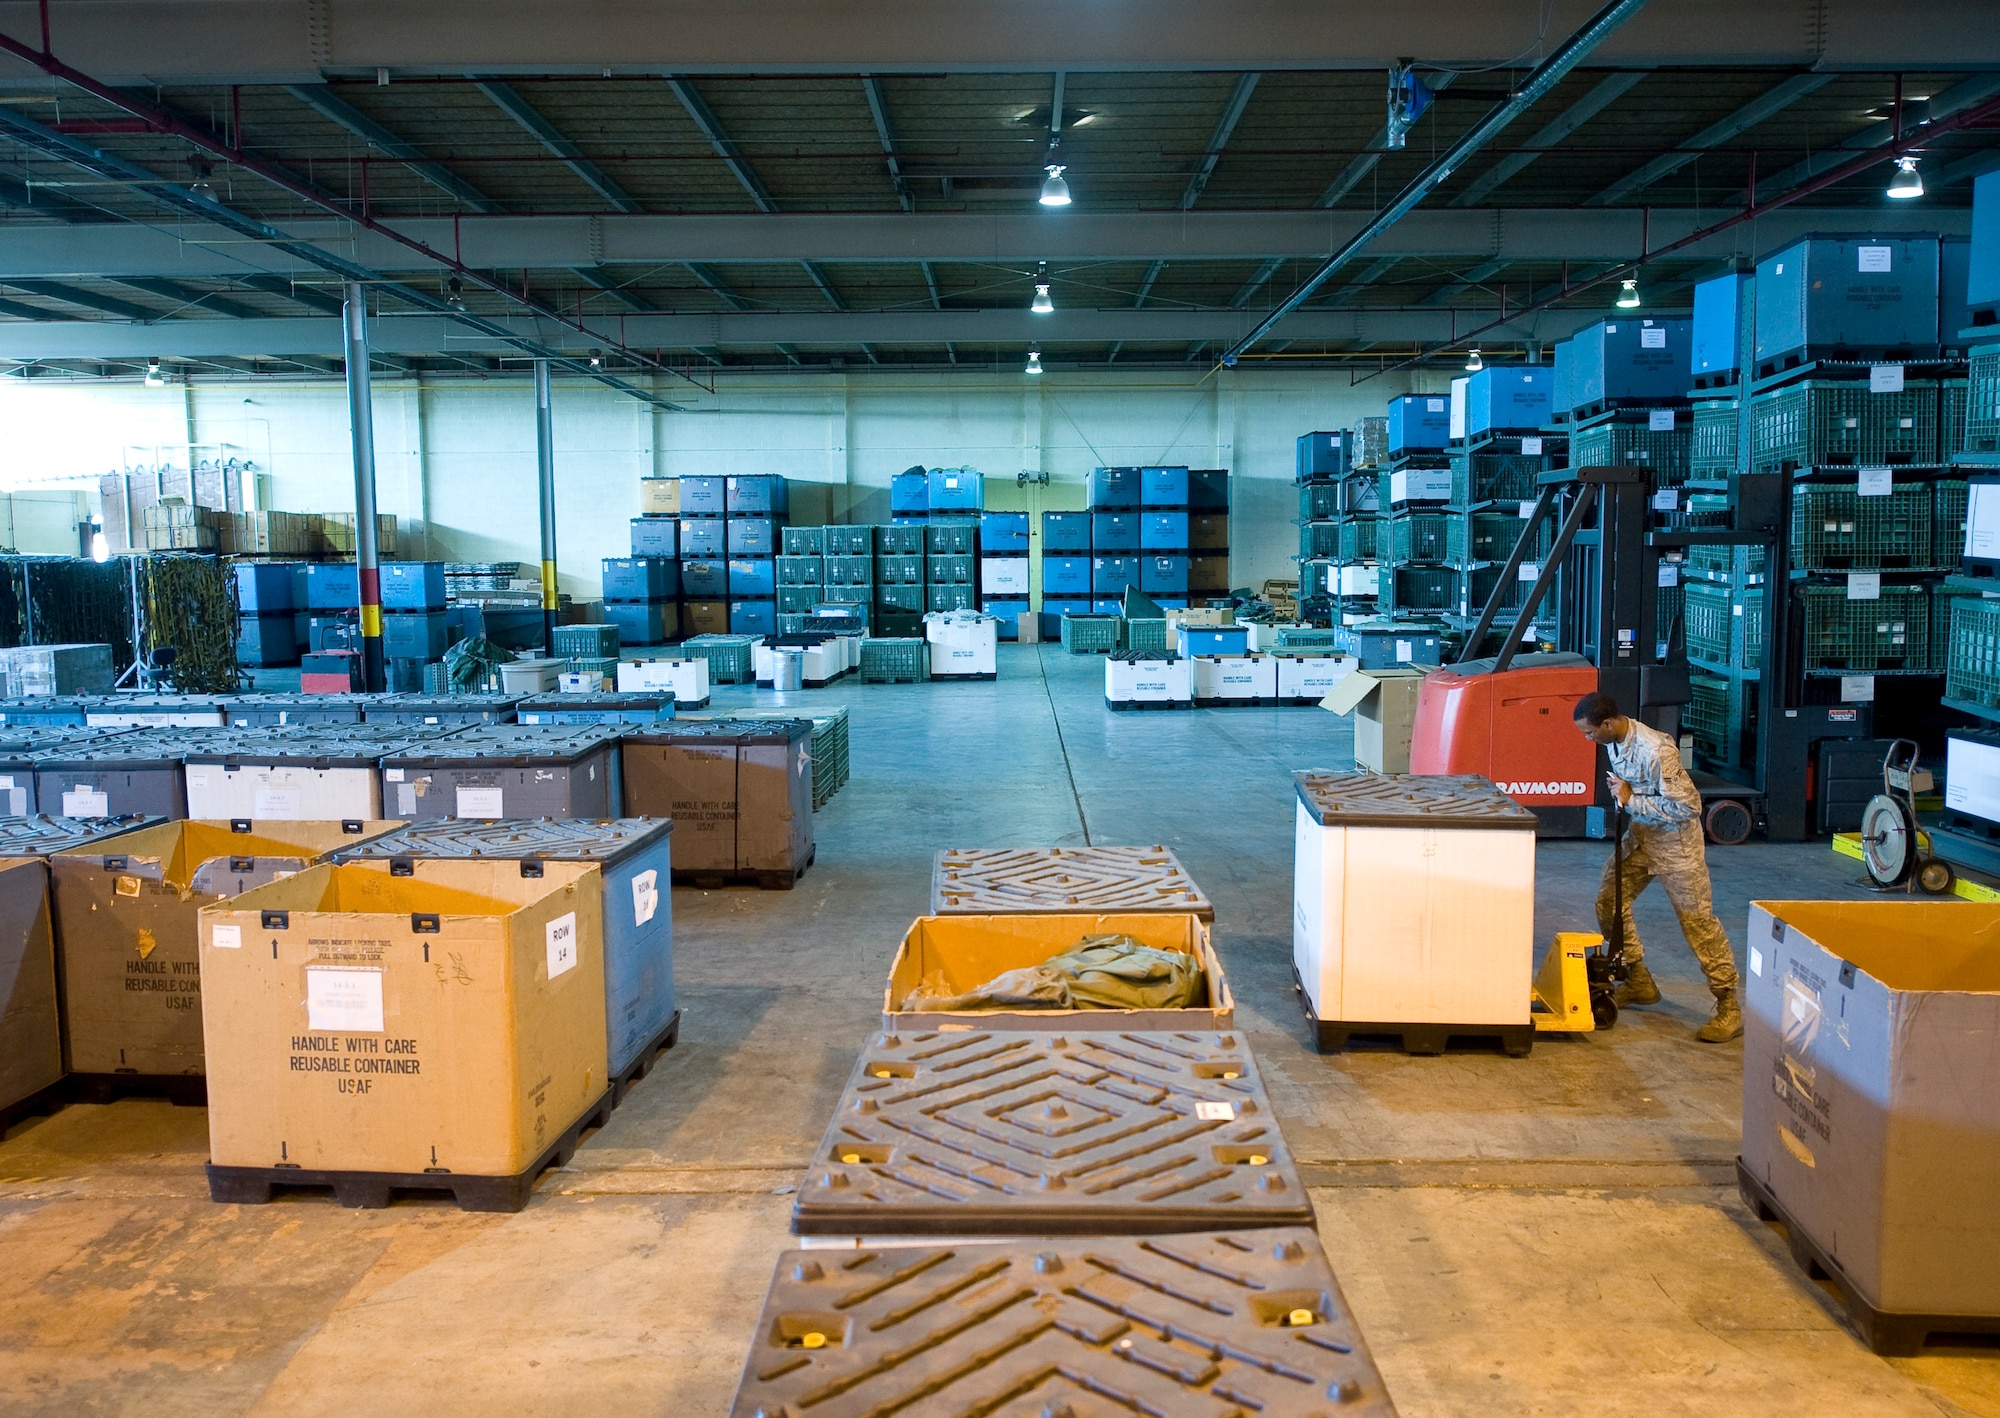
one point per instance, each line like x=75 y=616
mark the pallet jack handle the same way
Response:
x=1617 y=944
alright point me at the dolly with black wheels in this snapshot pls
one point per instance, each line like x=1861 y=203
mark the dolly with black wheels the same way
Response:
x=1893 y=848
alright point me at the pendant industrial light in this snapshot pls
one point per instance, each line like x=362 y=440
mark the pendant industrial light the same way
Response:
x=1042 y=304
x=1055 y=192
x=1906 y=183
x=154 y=379
x=1473 y=363
x=1628 y=294
x=1034 y=362
x=455 y=293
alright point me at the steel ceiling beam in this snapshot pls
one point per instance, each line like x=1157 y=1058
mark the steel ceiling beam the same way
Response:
x=322 y=100
x=509 y=101
x=1602 y=95
x=724 y=146
x=1758 y=110
x=298 y=41
x=189 y=295
x=1464 y=282
x=291 y=290
x=878 y=109
x=1959 y=97
x=1258 y=280
x=88 y=300
x=1239 y=99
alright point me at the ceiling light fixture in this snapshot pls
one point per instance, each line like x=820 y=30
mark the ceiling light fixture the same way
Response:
x=1042 y=304
x=203 y=170
x=1473 y=363
x=1628 y=294
x=1906 y=183
x=1034 y=362
x=1055 y=191
x=154 y=379
x=455 y=293
x=597 y=359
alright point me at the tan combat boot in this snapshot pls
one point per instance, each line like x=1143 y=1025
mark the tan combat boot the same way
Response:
x=1727 y=1024
x=1639 y=987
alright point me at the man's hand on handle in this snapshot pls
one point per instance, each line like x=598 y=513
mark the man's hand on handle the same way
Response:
x=1620 y=789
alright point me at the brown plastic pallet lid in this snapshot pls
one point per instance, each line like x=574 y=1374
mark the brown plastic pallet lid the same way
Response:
x=1206 y=1325
x=1073 y=1133
x=1064 y=880
x=1408 y=800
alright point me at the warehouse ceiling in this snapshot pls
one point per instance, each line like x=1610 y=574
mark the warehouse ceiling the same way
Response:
x=847 y=220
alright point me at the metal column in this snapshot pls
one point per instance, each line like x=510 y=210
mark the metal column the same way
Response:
x=361 y=426
x=545 y=463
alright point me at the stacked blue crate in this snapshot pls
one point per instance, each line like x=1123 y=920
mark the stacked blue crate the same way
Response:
x=640 y=598
x=1065 y=569
x=415 y=632
x=1003 y=568
x=266 y=618
x=756 y=508
x=704 y=550
x=1164 y=541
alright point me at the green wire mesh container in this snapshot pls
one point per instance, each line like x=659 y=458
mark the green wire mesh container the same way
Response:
x=1146 y=633
x=1707 y=714
x=1982 y=400
x=804 y=541
x=1820 y=423
x=1360 y=538
x=1090 y=634
x=1479 y=584
x=1712 y=439
x=1664 y=453
x=1472 y=537
x=602 y=666
x=800 y=569
x=1888 y=635
x=950 y=538
x=1320 y=539
x=908 y=596
x=899 y=541
x=1706 y=617
x=587 y=641
x=1307 y=638
x=850 y=571
x=1950 y=500
x=1418 y=536
x=849 y=541
x=1408 y=590
x=1725 y=563
x=1837 y=529
x=1319 y=502
x=899 y=571
x=1495 y=477
x=1972 y=654
x=728 y=656
x=886 y=660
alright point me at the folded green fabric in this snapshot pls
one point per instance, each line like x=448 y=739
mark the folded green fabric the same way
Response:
x=1099 y=972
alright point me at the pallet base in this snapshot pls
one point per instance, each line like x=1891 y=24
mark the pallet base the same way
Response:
x=1236 y=703
x=43 y=1101
x=1120 y=705
x=183 y=1090
x=1332 y=1036
x=643 y=1064
x=767 y=880
x=254 y=1186
x=1886 y=1333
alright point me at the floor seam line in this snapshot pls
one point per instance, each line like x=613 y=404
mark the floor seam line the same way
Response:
x=1062 y=745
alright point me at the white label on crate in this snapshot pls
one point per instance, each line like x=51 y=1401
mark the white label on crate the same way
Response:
x=281 y=803
x=1885 y=378
x=1867 y=258
x=1215 y=1112
x=1864 y=585
x=196 y=777
x=392 y=775
x=1857 y=689
x=226 y=937
x=17 y=802
x=1736 y=610
x=343 y=999
x=1403 y=650
x=562 y=944
x=1531 y=447
x=1756 y=962
x=1434 y=406
x=1664 y=500
x=1670 y=573
x=1527 y=510
x=1654 y=338
x=645 y=896
x=406 y=800
x=1529 y=571
x=1874 y=482
x=1659 y=420
x=86 y=802
x=478 y=802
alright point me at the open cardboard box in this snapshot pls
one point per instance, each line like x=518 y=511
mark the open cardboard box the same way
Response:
x=970 y=950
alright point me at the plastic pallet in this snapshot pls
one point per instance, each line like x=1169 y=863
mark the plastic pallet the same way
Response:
x=1209 y=1323
x=1073 y=1132
x=372 y=1190
x=1886 y=1332
x=1334 y=1036
x=648 y=1055
x=183 y=1090
x=1818 y=423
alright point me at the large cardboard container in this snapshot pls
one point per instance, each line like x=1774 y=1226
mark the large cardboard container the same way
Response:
x=967 y=951
x=360 y=1021
x=1871 y=1092
x=1384 y=706
x=1413 y=899
x=739 y=791
x=634 y=857
x=125 y=916
x=30 y=1025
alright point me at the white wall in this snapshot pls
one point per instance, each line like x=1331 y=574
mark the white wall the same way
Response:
x=456 y=461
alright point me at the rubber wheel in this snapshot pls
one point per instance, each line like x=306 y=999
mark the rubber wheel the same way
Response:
x=1603 y=1010
x=1728 y=822
x=1936 y=878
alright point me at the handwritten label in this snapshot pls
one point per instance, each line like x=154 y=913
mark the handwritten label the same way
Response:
x=343 y=999
x=1215 y=1112
x=1660 y=421
x=1857 y=689
x=561 y=933
x=1531 y=447
x=1885 y=378
x=1654 y=338
x=1869 y=258
x=645 y=896
x=1875 y=482
x=1864 y=585
x=478 y=802
x=226 y=937
x=280 y=803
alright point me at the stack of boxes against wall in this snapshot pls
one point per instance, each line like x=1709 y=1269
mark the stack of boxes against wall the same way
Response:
x=1970 y=602
x=1838 y=367
x=281 y=614
x=1339 y=518
x=1500 y=443
x=1163 y=531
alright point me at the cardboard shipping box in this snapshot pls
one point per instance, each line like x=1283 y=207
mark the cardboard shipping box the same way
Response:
x=363 y=1021
x=1871 y=1091
x=1384 y=706
x=126 y=913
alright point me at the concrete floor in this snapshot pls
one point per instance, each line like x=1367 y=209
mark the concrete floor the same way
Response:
x=1559 y=1234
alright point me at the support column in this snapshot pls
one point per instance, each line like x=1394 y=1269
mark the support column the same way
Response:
x=545 y=466
x=361 y=431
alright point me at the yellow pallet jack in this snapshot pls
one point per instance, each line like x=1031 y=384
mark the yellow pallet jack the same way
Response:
x=1582 y=971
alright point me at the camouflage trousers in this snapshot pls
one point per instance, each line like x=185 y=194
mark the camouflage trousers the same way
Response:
x=1673 y=857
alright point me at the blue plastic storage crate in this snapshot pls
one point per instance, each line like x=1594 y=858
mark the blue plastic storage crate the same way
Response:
x=1163 y=531
x=634 y=861
x=1326 y=454
x=412 y=585
x=1065 y=576
x=1508 y=398
x=1114 y=531
x=264 y=587
x=1982 y=274
x=266 y=640
x=1113 y=488
x=1007 y=610
x=1004 y=532
x=752 y=536
x=752 y=578
x=1163 y=487
x=757 y=495
x=415 y=635
x=643 y=622
x=1625 y=362
x=1208 y=489
x=1167 y=575
x=704 y=537
x=1562 y=382
x=1053 y=611
x=1110 y=575
x=705 y=579
x=1065 y=531
x=656 y=536
x=703 y=497
x=1718 y=310
x=1213 y=640
x=753 y=617
x=956 y=490
x=640 y=578
x=1419 y=423
x=910 y=494
x=332 y=586
x=1856 y=296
